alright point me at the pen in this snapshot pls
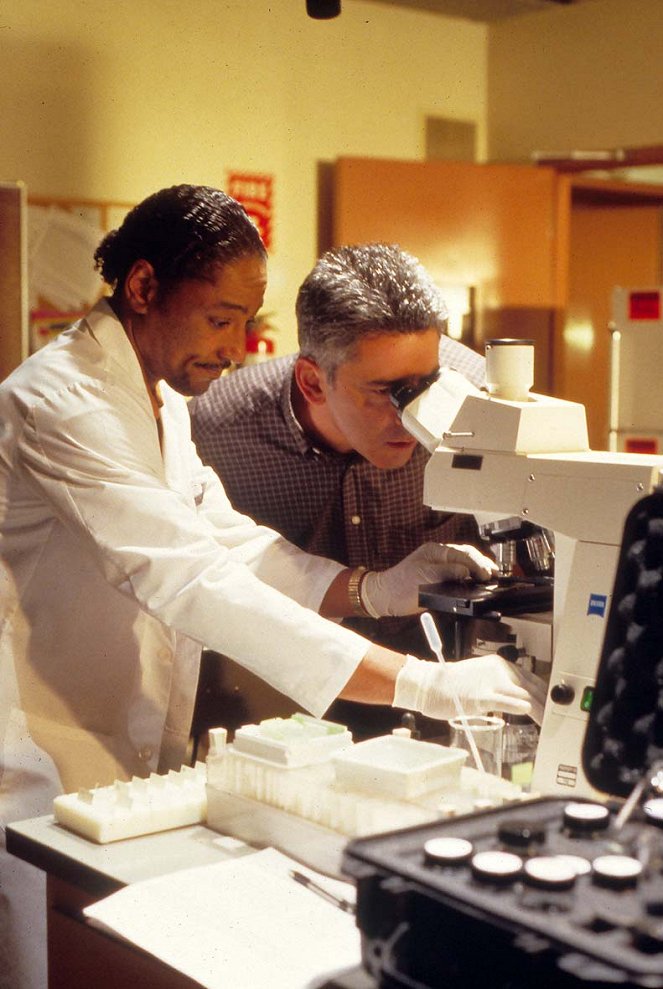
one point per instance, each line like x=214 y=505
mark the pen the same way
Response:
x=338 y=901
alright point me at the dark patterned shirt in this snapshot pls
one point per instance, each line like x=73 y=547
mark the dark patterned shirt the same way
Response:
x=330 y=504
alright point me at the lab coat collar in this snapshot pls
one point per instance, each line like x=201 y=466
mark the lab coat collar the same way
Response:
x=110 y=334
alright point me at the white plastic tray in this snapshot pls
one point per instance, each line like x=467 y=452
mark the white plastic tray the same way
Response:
x=300 y=740
x=401 y=767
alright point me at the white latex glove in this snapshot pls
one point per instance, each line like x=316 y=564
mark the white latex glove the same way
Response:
x=396 y=591
x=535 y=687
x=481 y=684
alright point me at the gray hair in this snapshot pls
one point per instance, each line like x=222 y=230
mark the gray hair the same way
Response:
x=360 y=290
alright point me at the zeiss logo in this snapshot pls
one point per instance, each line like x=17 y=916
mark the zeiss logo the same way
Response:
x=597 y=605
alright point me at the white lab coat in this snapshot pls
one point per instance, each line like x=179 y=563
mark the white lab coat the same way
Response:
x=117 y=561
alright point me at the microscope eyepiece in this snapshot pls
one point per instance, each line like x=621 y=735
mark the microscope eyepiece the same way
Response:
x=403 y=392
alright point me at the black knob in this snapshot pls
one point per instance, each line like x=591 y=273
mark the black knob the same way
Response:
x=508 y=652
x=562 y=693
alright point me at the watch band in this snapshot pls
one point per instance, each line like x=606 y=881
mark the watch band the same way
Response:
x=354 y=585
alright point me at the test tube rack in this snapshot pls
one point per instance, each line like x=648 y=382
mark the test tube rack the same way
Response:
x=142 y=805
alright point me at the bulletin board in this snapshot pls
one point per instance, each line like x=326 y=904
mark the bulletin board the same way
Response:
x=63 y=234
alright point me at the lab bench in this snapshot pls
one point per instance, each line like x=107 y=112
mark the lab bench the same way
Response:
x=80 y=872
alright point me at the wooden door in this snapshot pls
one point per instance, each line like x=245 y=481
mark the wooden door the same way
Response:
x=542 y=250
x=491 y=227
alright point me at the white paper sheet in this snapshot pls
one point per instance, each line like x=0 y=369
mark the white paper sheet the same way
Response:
x=240 y=924
x=61 y=249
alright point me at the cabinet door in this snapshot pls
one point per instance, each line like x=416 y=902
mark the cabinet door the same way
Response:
x=13 y=286
x=489 y=227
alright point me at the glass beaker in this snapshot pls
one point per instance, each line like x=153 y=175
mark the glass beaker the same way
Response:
x=486 y=732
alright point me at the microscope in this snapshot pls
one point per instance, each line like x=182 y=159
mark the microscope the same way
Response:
x=513 y=457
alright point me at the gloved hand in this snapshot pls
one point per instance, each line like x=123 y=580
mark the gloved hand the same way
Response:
x=396 y=591
x=535 y=687
x=481 y=684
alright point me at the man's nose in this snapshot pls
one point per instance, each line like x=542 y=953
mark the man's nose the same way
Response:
x=398 y=430
x=234 y=346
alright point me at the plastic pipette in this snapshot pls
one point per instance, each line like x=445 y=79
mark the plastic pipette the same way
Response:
x=435 y=643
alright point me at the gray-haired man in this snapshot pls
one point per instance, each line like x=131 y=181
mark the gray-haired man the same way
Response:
x=312 y=445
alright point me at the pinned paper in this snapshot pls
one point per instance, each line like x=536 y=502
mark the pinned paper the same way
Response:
x=61 y=248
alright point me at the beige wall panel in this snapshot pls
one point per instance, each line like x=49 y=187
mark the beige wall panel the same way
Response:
x=114 y=101
x=587 y=76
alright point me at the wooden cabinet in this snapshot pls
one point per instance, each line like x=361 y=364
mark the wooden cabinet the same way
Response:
x=13 y=274
x=541 y=250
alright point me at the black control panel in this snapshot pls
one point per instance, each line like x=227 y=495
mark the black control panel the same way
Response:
x=549 y=892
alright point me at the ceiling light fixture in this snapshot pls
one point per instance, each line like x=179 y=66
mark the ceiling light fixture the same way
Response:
x=323 y=10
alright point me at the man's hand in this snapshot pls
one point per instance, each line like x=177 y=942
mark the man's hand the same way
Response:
x=477 y=686
x=396 y=591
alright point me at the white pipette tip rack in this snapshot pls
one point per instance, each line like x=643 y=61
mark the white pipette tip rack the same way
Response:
x=127 y=809
x=349 y=789
x=299 y=740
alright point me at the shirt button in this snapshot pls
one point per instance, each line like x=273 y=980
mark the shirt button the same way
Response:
x=164 y=654
x=146 y=753
x=356 y=519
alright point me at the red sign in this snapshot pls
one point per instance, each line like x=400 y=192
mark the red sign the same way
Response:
x=254 y=192
x=644 y=305
x=635 y=444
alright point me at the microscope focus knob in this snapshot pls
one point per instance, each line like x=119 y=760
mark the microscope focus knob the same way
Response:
x=562 y=693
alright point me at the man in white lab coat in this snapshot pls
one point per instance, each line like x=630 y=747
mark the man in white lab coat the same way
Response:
x=120 y=554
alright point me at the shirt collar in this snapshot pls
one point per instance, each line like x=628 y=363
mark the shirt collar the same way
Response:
x=300 y=438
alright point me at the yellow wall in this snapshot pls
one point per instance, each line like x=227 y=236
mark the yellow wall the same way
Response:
x=576 y=77
x=114 y=100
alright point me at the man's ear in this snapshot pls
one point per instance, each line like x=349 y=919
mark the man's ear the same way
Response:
x=311 y=380
x=140 y=286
